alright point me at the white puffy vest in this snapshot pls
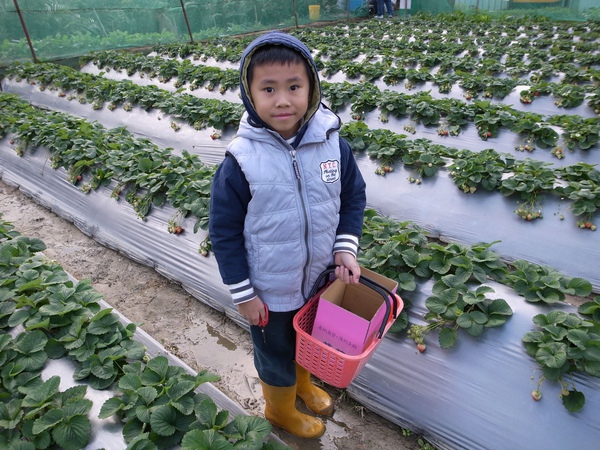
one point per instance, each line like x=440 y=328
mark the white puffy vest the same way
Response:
x=292 y=218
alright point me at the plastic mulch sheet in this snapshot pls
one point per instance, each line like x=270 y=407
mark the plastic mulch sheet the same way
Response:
x=475 y=395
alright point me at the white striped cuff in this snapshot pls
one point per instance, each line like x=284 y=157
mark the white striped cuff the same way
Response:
x=346 y=243
x=241 y=292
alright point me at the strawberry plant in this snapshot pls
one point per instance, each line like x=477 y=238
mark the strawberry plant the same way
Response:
x=498 y=87
x=475 y=262
x=529 y=179
x=365 y=98
x=45 y=299
x=471 y=170
x=415 y=76
x=394 y=75
x=537 y=283
x=579 y=172
x=456 y=113
x=445 y=82
x=357 y=134
x=490 y=118
x=586 y=200
x=397 y=250
x=528 y=95
x=423 y=158
x=385 y=144
x=568 y=96
x=159 y=406
x=578 y=131
x=453 y=306
x=473 y=84
x=394 y=103
x=564 y=344
x=368 y=72
x=42 y=415
x=594 y=100
x=591 y=308
x=338 y=95
x=423 y=109
x=535 y=131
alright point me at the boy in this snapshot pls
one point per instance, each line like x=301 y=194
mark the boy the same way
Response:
x=286 y=202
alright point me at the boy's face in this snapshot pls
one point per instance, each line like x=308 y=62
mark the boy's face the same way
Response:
x=280 y=94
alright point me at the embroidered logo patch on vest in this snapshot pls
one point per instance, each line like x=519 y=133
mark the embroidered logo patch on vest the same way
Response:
x=330 y=171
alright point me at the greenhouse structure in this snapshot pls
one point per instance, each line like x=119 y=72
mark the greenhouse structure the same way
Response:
x=476 y=126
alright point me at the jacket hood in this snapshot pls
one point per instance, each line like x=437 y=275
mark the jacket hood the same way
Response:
x=277 y=38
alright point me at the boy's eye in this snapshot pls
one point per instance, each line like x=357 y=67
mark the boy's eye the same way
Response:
x=293 y=88
x=269 y=89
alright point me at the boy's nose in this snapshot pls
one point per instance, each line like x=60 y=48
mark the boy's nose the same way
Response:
x=282 y=100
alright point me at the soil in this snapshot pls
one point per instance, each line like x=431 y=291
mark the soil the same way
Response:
x=199 y=335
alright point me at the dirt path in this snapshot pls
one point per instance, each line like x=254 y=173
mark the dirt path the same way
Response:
x=202 y=337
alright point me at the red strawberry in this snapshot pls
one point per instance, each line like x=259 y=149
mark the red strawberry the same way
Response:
x=421 y=347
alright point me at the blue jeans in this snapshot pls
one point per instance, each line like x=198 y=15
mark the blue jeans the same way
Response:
x=388 y=5
x=274 y=355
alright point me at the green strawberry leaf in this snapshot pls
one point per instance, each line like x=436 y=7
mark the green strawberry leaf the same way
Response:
x=164 y=420
x=552 y=355
x=110 y=407
x=209 y=439
x=574 y=401
x=73 y=433
x=447 y=337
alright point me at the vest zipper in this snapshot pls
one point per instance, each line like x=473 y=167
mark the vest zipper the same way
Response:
x=299 y=180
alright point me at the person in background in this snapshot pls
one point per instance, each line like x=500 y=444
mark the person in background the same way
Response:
x=388 y=7
x=287 y=201
x=372 y=4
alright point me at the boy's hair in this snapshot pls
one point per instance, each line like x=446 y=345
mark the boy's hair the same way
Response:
x=278 y=54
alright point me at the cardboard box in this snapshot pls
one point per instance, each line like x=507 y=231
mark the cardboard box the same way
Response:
x=349 y=315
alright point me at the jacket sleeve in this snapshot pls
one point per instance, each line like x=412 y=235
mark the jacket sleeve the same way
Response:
x=353 y=202
x=229 y=198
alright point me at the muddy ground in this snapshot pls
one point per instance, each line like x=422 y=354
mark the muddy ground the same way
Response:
x=202 y=337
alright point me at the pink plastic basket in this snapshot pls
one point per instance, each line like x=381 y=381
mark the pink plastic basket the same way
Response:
x=327 y=363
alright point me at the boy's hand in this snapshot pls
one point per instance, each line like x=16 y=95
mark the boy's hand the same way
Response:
x=253 y=310
x=346 y=263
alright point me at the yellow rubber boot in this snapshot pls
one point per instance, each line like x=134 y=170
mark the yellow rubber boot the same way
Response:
x=315 y=398
x=280 y=410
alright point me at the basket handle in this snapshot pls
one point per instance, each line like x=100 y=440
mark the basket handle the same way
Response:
x=381 y=290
